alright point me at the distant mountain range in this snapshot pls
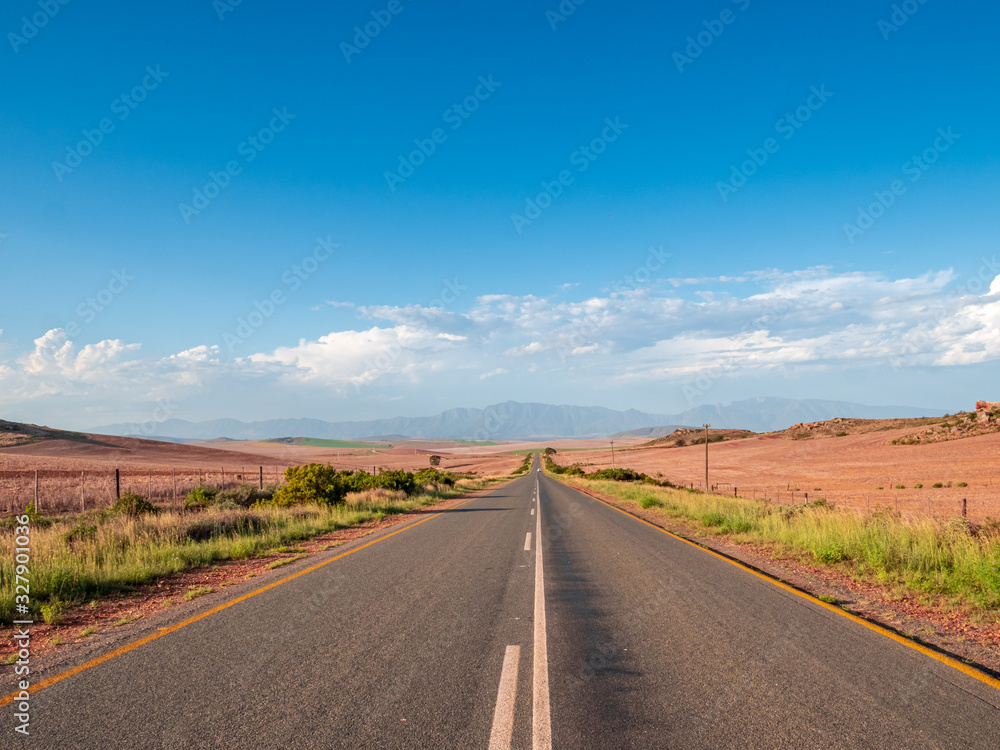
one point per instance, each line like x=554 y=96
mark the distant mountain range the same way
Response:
x=512 y=421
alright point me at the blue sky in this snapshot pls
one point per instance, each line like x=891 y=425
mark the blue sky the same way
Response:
x=701 y=169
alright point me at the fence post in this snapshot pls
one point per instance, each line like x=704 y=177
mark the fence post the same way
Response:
x=806 y=501
x=223 y=478
x=964 y=506
x=83 y=502
x=37 y=509
x=118 y=484
x=173 y=489
x=262 y=477
x=149 y=486
x=734 y=491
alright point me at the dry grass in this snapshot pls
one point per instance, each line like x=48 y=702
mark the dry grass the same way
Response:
x=91 y=555
x=941 y=557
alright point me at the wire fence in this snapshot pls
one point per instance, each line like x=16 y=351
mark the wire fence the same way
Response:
x=59 y=491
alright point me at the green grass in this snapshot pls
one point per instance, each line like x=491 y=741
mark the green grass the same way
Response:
x=87 y=632
x=285 y=561
x=125 y=620
x=195 y=592
x=123 y=552
x=940 y=558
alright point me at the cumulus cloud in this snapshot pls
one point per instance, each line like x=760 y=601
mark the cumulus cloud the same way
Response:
x=810 y=320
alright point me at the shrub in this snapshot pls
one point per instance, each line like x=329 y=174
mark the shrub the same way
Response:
x=937 y=485
x=435 y=460
x=52 y=612
x=918 y=486
x=433 y=476
x=200 y=497
x=618 y=475
x=131 y=504
x=243 y=496
x=962 y=484
x=900 y=486
x=525 y=465
x=79 y=533
x=312 y=483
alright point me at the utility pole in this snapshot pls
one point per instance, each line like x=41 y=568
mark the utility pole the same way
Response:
x=612 y=454
x=706 y=456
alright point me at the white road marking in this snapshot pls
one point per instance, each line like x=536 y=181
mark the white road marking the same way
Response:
x=503 y=714
x=541 y=720
x=527 y=542
x=532 y=511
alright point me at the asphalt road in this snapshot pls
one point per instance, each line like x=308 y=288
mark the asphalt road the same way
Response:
x=433 y=638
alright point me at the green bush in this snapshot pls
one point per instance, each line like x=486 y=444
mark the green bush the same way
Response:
x=131 y=504
x=525 y=465
x=312 y=483
x=962 y=484
x=243 y=496
x=200 y=497
x=433 y=476
x=52 y=612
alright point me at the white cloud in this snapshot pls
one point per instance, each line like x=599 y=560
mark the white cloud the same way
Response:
x=812 y=320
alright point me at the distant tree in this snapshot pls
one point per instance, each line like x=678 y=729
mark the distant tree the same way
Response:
x=435 y=460
x=550 y=451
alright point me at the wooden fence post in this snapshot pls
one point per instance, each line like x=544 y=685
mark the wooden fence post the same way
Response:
x=262 y=477
x=37 y=509
x=173 y=489
x=964 y=506
x=118 y=484
x=83 y=502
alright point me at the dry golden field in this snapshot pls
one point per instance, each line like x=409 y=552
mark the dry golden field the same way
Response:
x=847 y=470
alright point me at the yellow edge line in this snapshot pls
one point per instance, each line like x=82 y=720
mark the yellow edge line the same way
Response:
x=954 y=663
x=50 y=681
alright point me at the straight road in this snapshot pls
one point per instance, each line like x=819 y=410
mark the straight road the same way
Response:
x=459 y=633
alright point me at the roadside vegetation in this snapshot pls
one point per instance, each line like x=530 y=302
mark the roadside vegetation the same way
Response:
x=102 y=552
x=950 y=562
